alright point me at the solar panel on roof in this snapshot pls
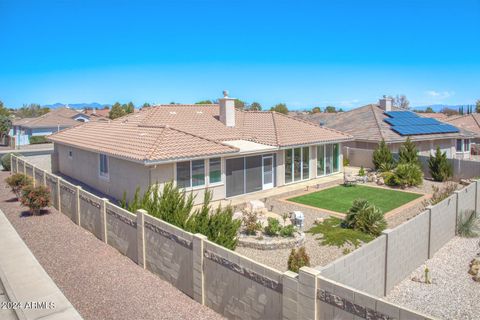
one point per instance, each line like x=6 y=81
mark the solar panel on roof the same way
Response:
x=401 y=114
x=424 y=129
x=405 y=121
x=408 y=123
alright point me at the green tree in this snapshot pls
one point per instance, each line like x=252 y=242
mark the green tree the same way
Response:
x=477 y=106
x=146 y=105
x=239 y=104
x=116 y=111
x=3 y=111
x=204 y=102
x=106 y=107
x=129 y=107
x=382 y=157
x=280 y=108
x=429 y=110
x=5 y=125
x=408 y=153
x=440 y=168
x=255 y=106
x=316 y=110
x=32 y=110
x=330 y=109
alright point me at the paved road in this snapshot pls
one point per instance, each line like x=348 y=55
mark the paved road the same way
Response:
x=99 y=281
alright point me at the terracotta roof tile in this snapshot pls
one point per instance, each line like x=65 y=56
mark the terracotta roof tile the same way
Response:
x=59 y=117
x=170 y=132
x=470 y=122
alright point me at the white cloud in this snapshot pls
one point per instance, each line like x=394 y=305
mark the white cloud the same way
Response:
x=440 y=95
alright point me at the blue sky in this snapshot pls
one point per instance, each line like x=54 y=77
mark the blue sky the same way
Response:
x=303 y=53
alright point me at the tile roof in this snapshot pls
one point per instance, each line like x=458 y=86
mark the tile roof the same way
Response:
x=435 y=115
x=99 y=113
x=470 y=122
x=169 y=132
x=366 y=124
x=59 y=117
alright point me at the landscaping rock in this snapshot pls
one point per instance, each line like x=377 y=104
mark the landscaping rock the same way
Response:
x=318 y=220
x=380 y=181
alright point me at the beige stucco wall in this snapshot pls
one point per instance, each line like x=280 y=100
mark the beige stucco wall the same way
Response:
x=124 y=176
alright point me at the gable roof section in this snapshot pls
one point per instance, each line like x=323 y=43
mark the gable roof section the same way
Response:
x=172 y=132
x=367 y=124
x=62 y=117
x=470 y=122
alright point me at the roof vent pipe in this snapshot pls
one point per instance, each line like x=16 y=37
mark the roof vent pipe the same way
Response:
x=227 y=110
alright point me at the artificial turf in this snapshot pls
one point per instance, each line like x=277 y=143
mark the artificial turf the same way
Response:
x=340 y=198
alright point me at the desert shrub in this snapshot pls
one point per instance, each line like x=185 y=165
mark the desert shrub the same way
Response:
x=297 y=259
x=390 y=178
x=5 y=160
x=440 y=167
x=35 y=198
x=17 y=182
x=351 y=217
x=346 y=162
x=361 y=172
x=174 y=206
x=408 y=175
x=382 y=157
x=250 y=222
x=38 y=139
x=273 y=227
x=287 y=231
x=467 y=224
x=365 y=217
x=408 y=153
x=440 y=194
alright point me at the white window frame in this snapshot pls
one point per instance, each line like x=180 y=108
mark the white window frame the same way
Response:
x=101 y=174
x=301 y=166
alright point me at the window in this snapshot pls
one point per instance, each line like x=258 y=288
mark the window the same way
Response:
x=466 y=145
x=459 y=145
x=70 y=154
x=198 y=173
x=288 y=165
x=297 y=164
x=306 y=162
x=215 y=170
x=191 y=173
x=320 y=160
x=103 y=165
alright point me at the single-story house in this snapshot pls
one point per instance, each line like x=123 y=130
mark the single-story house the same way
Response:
x=373 y=123
x=229 y=151
x=470 y=122
x=53 y=121
x=97 y=114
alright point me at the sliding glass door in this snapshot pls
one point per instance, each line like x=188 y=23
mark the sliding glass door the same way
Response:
x=297 y=164
x=249 y=174
x=328 y=157
x=321 y=160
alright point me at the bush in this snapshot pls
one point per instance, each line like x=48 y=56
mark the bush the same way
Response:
x=405 y=175
x=361 y=172
x=441 y=194
x=365 y=217
x=287 y=231
x=17 y=182
x=35 y=198
x=408 y=153
x=172 y=205
x=297 y=259
x=346 y=162
x=38 y=139
x=440 y=167
x=250 y=221
x=6 y=164
x=382 y=157
x=467 y=224
x=273 y=227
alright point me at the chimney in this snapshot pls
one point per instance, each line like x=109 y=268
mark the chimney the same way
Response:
x=227 y=110
x=386 y=103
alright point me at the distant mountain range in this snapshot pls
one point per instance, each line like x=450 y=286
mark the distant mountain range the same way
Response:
x=438 y=107
x=77 y=105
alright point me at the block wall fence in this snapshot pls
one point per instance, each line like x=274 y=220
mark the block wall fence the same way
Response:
x=240 y=288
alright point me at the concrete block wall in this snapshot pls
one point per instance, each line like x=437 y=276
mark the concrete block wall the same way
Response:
x=363 y=268
x=358 y=157
x=122 y=231
x=407 y=248
x=467 y=199
x=443 y=221
x=168 y=253
x=29 y=170
x=68 y=200
x=240 y=288
x=91 y=213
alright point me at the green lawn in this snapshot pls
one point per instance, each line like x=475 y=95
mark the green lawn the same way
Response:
x=340 y=198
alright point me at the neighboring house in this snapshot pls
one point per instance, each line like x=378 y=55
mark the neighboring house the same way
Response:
x=97 y=114
x=231 y=152
x=370 y=124
x=53 y=121
x=319 y=118
x=470 y=122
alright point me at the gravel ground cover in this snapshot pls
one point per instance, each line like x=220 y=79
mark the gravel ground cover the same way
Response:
x=99 y=281
x=453 y=294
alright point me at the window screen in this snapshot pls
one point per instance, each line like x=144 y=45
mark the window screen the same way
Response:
x=215 y=170
x=183 y=174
